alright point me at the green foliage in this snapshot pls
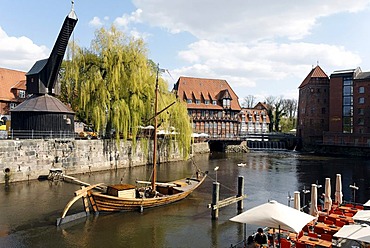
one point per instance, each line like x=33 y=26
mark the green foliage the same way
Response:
x=112 y=86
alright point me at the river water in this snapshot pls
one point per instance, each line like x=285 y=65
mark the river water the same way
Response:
x=28 y=210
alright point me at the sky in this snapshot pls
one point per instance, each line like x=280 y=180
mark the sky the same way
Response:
x=261 y=48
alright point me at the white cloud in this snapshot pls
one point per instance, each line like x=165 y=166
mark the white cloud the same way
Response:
x=125 y=20
x=243 y=20
x=19 y=53
x=263 y=64
x=96 y=22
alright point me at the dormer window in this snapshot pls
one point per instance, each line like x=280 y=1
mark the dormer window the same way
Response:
x=189 y=101
x=22 y=94
x=197 y=101
x=214 y=102
x=206 y=102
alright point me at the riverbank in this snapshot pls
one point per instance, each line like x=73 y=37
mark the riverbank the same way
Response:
x=22 y=160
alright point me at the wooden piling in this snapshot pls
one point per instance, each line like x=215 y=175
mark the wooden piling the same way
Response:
x=215 y=199
x=240 y=191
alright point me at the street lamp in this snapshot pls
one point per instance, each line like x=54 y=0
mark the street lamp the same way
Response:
x=216 y=169
x=354 y=187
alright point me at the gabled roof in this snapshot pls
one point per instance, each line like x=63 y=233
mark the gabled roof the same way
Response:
x=261 y=105
x=363 y=76
x=316 y=72
x=211 y=89
x=9 y=78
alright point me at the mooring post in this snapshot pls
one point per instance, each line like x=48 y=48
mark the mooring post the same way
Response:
x=240 y=191
x=215 y=199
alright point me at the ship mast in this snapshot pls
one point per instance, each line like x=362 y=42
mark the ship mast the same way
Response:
x=154 y=177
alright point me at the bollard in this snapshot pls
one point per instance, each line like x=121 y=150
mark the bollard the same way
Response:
x=240 y=191
x=215 y=199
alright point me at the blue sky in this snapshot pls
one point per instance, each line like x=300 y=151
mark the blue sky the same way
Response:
x=262 y=48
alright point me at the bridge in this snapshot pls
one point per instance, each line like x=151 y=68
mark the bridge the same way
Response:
x=256 y=141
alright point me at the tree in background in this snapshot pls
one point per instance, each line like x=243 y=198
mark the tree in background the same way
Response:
x=112 y=86
x=249 y=101
x=277 y=109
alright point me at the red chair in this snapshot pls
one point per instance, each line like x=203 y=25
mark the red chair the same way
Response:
x=300 y=244
x=329 y=222
x=359 y=207
x=306 y=229
x=337 y=211
x=321 y=218
x=350 y=205
x=284 y=243
x=339 y=223
x=313 y=235
x=319 y=230
x=348 y=214
x=327 y=236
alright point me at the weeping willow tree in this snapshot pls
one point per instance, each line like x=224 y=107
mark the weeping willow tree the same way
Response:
x=112 y=86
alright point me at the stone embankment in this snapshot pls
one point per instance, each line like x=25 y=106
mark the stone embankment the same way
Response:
x=28 y=159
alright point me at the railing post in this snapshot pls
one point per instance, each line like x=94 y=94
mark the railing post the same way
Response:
x=240 y=191
x=215 y=199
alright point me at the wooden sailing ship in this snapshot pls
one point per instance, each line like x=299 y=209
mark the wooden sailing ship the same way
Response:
x=125 y=197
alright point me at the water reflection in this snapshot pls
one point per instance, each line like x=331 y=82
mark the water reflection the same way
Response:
x=31 y=209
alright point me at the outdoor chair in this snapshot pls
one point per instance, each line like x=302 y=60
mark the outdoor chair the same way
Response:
x=348 y=214
x=321 y=218
x=327 y=236
x=339 y=223
x=313 y=235
x=319 y=230
x=329 y=222
x=284 y=243
x=300 y=245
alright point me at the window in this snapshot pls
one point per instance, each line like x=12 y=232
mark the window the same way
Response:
x=323 y=111
x=189 y=101
x=347 y=90
x=214 y=102
x=22 y=94
x=360 y=111
x=197 y=101
x=361 y=89
x=12 y=105
x=347 y=100
x=347 y=111
x=361 y=100
x=361 y=121
x=206 y=102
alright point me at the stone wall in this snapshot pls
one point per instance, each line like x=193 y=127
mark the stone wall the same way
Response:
x=28 y=159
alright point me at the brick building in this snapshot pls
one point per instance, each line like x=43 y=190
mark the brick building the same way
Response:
x=349 y=109
x=254 y=120
x=313 y=107
x=12 y=90
x=212 y=106
x=336 y=110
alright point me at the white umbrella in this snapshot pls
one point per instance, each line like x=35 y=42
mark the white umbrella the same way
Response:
x=338 y=189
x=327 y=201
x=297 y=200
x=367 y=204
x=362 y=215
x=354 y=232
x=313 y=208
x=275 y=215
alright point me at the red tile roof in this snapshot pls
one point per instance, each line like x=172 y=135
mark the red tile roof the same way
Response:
x=206 y=89
x=9 y=79
x=316 y=72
